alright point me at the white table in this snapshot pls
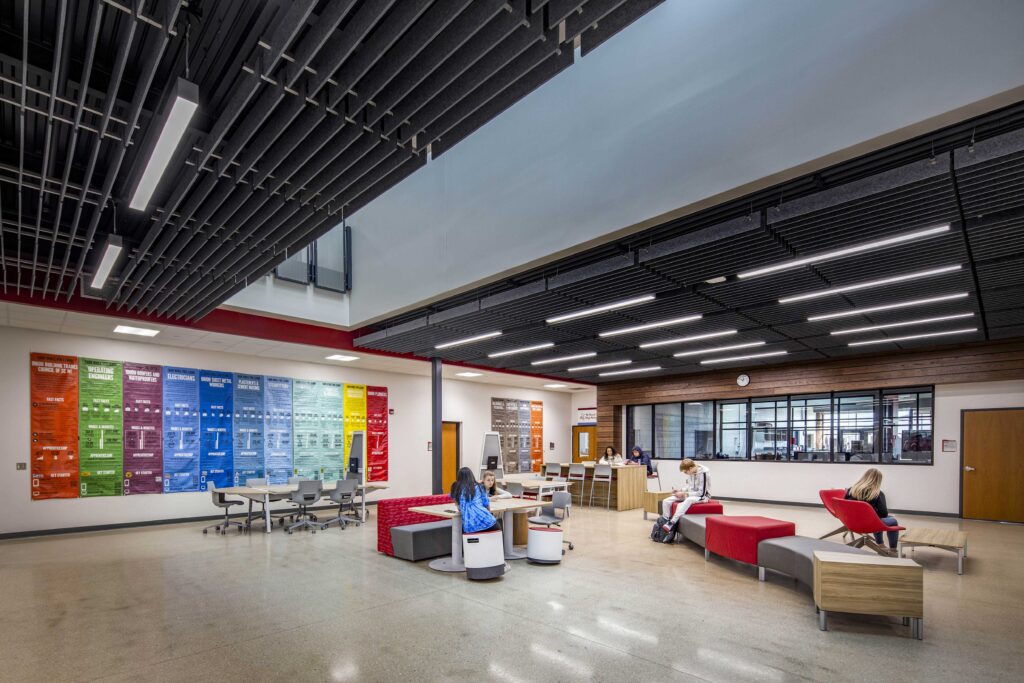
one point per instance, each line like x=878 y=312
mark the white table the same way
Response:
x=505 y=506
x=266 y=494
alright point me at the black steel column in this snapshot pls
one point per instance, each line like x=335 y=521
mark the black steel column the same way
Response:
x=435 y=422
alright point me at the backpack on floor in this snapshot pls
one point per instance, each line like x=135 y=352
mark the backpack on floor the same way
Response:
x=658 y=535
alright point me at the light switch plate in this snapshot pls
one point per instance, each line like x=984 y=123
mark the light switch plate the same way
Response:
x=20 y=466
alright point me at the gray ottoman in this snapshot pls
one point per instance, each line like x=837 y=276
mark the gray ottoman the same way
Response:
x=422 y=541
x=794 y=556
x=693 y=528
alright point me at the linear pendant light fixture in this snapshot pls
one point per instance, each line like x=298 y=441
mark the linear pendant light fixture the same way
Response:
x=888 y=307
x=731 y=347
x=868 y=285
x=651 y=326
x=683 y=340
x=597 y=366
x=965 y=330
x=625 y=303
x=560 y=359
x=469 y=340
x=629 y=372
x=730 y=359
x=178 y=112
x=111 y=253
x=922 y=321
x=512 y=352
x=848 y=251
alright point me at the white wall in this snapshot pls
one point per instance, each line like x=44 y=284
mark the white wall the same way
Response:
x=409 y=427
x=291 y=300
x=933 y=488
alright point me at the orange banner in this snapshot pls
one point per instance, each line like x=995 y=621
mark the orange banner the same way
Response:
x=536 y=435
x=54 y=422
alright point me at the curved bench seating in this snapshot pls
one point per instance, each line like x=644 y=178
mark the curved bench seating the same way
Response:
x=794 y=556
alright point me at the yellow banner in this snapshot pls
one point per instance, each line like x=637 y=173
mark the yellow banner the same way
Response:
x=355 y=415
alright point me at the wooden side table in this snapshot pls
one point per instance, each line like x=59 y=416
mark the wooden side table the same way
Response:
x=869 y=584
x=652 y=502
x=953 y=540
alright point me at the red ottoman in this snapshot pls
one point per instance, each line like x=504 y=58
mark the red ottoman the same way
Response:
x=708 y=507
x=736 y=537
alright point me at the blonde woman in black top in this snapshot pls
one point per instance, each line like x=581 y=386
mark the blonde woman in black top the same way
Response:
x=869 y=489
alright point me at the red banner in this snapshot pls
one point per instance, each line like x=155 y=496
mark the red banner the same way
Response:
x=536 y=435
x=53 y=389
x=376 y=434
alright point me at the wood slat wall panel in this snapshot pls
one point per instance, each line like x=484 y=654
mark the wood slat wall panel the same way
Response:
x=984 y=362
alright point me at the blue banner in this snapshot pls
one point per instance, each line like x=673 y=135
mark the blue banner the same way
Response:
x=181 y=429
x=216 y=462
x=523 y=422
x=248 y=427
x=277 y=428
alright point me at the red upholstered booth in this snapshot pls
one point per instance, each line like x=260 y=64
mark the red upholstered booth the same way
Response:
x=737 y=536
x=395 y=512
x=708 y=507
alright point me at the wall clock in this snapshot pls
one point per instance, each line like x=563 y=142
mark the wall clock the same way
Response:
x=743 y=380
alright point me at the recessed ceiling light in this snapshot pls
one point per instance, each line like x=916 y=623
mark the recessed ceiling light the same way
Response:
x=510 y=352
x=848 y=251
x=469 y=340
x=611 y=364
x=683 y=340
x=140 y=331
x=922 y=321
x=731 y=347
x=575 y=356
x=555 y=386
x=868 y=285
x=712 y=361
x=651 y=326
x=965 y=330
x=342 y=357
x=601 y=309
x=630 y=372
x=469 y=374
x=888 y=307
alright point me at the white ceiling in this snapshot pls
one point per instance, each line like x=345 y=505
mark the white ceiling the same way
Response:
x=85 y=324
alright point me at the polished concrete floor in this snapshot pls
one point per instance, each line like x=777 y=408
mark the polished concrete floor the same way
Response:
x=170 y=604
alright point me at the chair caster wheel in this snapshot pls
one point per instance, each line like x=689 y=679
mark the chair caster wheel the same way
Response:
x=217 y=528
x=572 y=547
x=204 y=531
x=289 y=532
x=312 y=531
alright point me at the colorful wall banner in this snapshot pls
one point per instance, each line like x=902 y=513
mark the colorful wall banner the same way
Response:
x=143 y=429
x=277 y=429
x=536 y=435
x=53 y=393
x=216 y=404
x=524 y=435
x=332 y=430
x=100 y=427
x=181 y=429
x=376 y=465
x=354 y=414
x=248 y=428
x=306 y=427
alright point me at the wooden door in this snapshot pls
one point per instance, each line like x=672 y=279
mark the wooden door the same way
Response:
x=449 y=454
x=584 y=444
x=992 y=475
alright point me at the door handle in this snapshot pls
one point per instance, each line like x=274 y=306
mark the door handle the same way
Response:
x=968 y=468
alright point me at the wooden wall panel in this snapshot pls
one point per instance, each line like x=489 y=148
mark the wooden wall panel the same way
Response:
x=983 y=362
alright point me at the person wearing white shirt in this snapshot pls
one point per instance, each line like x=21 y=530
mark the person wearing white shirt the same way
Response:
x=698 y=489
x=611 y=457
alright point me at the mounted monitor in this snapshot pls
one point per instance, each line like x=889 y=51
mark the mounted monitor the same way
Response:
x=357 y=456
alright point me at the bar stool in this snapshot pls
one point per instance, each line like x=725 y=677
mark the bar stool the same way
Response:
x=553 y=469
x=601 y=473
x=578 y=472
x=654 y=474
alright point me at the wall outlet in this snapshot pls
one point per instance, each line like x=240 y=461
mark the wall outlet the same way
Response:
x=20 y=466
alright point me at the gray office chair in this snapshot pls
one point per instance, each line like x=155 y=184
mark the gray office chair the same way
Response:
x=602 y=473
x=549 y=514
x=289 y=513
x=515 y=488
x=552 y=469
x=255 y=481
x=308 y=493
x=344 y=493
x=578 y=472
x=221 y=502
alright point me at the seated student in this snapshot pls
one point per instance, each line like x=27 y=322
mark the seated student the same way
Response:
x=474 y=505
x=869 y=489
x=490 y=483
x=638 y=457
x=698 y=490
x=611 y=457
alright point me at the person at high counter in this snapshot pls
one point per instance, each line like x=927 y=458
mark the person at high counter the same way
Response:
x=474 y=505
x=611 y=457
x=638 y=457
x=869 y=489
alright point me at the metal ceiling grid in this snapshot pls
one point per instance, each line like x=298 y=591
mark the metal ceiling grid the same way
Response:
x=308 y=110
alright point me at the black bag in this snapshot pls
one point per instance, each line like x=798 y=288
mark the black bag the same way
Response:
x=658 y=534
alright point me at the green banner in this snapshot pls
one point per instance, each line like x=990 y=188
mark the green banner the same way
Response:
x=100 y=427
x=306 y=429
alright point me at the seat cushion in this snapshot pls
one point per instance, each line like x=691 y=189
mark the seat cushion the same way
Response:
x=736 y=537
x=794 y=555
x=422 y=541
x=693 y=528
x=708 y=507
